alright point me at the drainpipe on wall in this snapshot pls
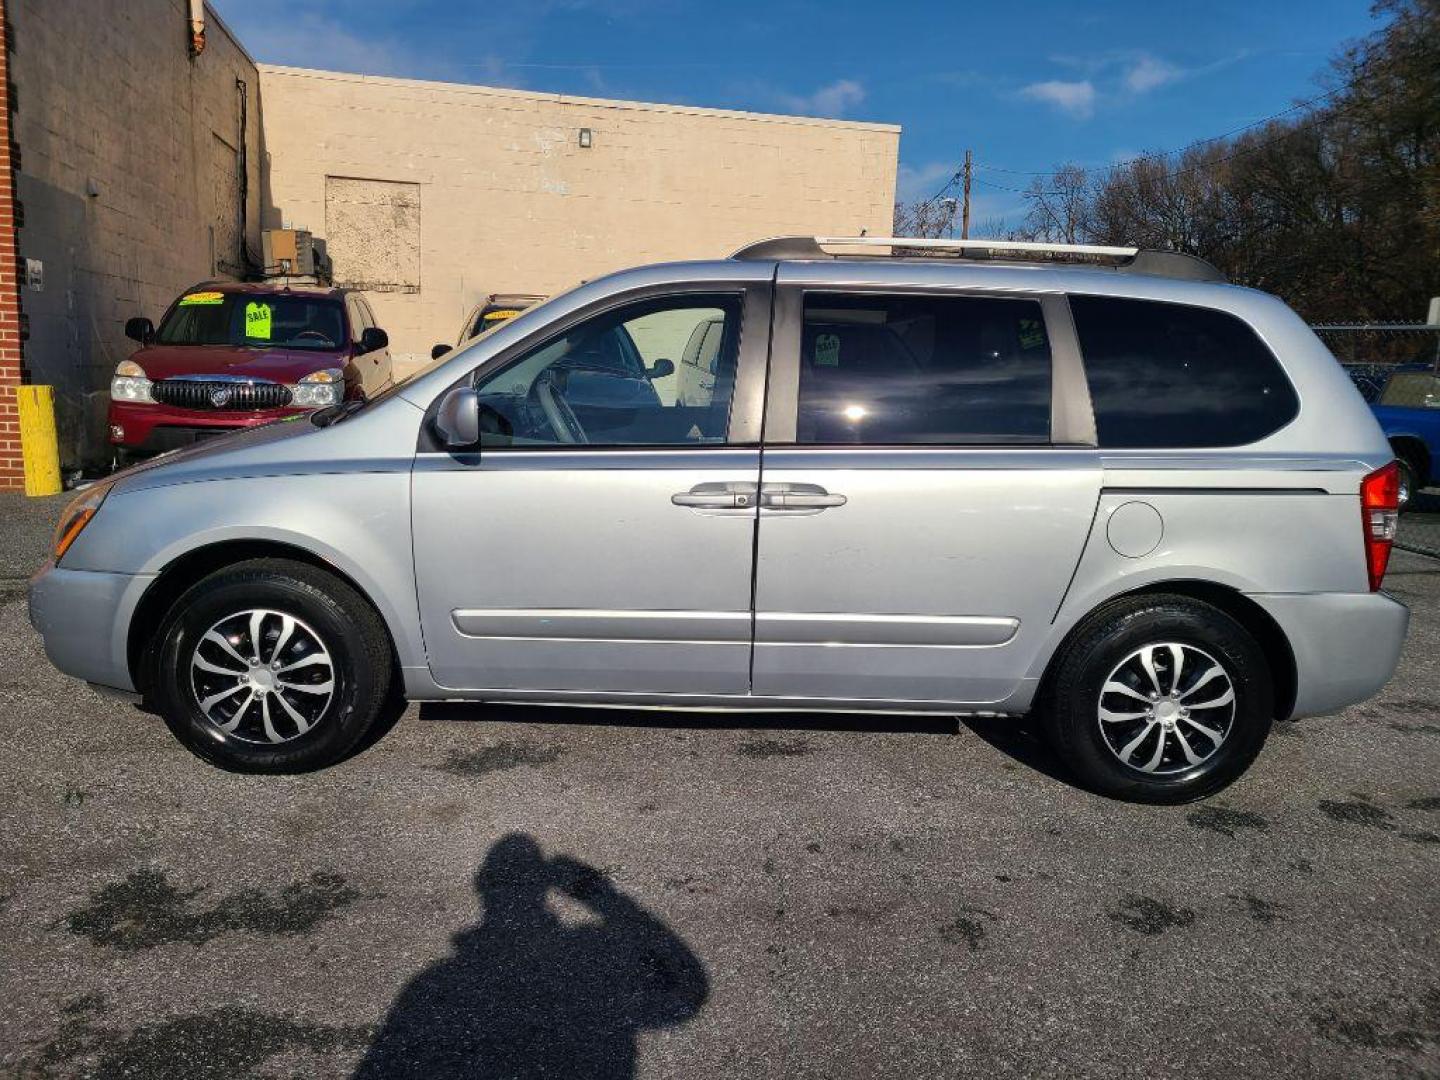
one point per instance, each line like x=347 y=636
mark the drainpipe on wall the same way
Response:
x=197 y=27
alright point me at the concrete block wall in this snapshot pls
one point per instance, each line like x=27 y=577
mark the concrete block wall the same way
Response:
x=125 y=142
x=510 y=202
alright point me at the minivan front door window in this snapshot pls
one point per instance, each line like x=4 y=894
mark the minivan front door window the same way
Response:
x=613 y=381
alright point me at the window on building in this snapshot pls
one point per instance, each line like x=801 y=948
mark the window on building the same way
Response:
x=1170 y=375
x=930 y=370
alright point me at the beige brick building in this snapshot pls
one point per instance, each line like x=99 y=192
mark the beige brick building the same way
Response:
x=145 y=159
x=434 y=194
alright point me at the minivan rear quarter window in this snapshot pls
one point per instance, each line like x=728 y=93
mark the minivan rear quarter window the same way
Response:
x=923 y=370
x=1166 y=375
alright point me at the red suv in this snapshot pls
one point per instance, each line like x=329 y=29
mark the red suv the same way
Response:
x=229 y=355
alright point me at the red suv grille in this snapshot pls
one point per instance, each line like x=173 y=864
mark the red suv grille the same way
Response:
x=215 y=395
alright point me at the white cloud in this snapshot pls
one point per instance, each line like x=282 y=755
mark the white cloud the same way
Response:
x=1149 y=72
x=1075 y=98
x=836 y=99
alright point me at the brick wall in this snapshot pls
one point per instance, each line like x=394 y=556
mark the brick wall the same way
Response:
x=12 y=477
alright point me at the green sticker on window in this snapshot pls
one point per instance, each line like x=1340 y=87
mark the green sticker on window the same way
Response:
x=1032 y=334
x=827 y=350
x=257 y=321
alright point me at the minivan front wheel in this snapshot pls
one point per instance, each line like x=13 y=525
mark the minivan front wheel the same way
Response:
x=272 y=666
x=1160 y=699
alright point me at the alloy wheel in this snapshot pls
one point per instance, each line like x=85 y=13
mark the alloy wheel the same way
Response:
x=262 y=676
x=1166 y=708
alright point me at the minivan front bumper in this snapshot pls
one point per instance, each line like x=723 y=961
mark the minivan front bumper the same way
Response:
x=1346 y=645
x=84 y=618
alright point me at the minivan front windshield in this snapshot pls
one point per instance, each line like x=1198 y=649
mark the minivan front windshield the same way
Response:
x=256 y=320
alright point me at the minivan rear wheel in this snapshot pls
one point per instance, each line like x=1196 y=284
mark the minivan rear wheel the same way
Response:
x=1160 y=699
x=272 y=666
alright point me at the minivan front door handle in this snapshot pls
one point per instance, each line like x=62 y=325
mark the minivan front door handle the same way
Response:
x=798 y=497
x=727 y=495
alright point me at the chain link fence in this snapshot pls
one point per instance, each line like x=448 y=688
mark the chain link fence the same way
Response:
x=1396 y=367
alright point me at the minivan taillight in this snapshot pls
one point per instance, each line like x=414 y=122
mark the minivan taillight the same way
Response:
x=1380 y=517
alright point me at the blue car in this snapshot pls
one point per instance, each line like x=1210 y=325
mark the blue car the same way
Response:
x=1405 y=399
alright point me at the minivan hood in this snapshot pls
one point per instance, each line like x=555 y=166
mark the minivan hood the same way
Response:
x=275 y=365
x=379 y=438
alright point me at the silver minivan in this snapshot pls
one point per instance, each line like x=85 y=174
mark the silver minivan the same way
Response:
x=975 y=478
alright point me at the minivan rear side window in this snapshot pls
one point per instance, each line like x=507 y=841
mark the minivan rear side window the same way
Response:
x=923 y=370
x=1165 y=376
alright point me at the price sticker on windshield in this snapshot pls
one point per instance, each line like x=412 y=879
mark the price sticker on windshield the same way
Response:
x=257 y=321
x=1032 y=334
x=827 y=350
x=194 y=298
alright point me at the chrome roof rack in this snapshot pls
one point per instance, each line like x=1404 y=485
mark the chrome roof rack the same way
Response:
x=1131 y=260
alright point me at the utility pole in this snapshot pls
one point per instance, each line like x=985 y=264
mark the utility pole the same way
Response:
x=965 y=214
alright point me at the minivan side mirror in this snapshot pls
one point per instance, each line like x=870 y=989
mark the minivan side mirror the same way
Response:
x=372 y=338
x=457 y=421
x=140 y=329
x=660 y=369
x=437 y=351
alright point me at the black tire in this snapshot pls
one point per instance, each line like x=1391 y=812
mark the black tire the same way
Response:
x=1103 y=642
x=343 y=623
x=1408 y=479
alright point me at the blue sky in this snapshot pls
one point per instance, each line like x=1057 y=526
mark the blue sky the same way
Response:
x=1026 y=85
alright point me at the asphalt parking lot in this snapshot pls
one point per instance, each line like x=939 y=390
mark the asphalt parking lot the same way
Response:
x=545 y=892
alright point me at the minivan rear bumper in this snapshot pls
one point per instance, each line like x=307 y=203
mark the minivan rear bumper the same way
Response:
x=1346 y=645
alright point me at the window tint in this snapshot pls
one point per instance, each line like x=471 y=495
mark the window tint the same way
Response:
x=923 y=370
x=616 y=380
x=1168 y=375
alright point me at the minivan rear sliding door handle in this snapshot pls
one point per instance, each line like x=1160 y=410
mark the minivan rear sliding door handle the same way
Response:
x=810 y=497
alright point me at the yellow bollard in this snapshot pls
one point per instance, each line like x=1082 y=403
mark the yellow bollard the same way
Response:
x=38 y=448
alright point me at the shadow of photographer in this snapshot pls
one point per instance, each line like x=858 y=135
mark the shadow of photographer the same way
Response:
x=527 y=994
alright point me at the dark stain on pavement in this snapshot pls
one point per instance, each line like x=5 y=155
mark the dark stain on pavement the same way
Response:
x=234 y=1042
x=969 y=928
x=1406 y=1024
x=1225 y=821
x=861 y=914
x=1146 y=915
x=145 y=910
x=1415 y=729
x=501 y=757
x=768 y=748
x=1413 y=706
x=1355 y=812
x=1258 y=908
x=1421 y=837
x=1430 y=802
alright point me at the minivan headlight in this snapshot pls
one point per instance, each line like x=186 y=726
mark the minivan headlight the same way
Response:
x=318 y=389
x=130 y=384
x=78 y=514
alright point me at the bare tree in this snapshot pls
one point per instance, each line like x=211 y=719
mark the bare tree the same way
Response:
x=925 y=218
x=1059 y=206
